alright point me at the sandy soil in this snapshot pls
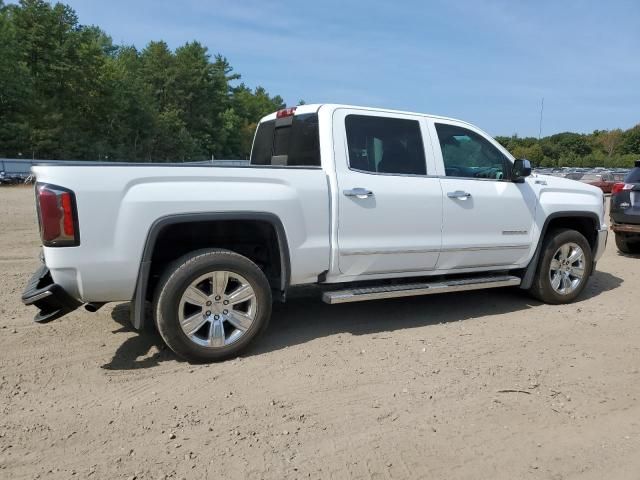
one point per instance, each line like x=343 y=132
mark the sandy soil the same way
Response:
x=467 y=385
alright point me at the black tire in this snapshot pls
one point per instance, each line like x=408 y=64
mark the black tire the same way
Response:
x=541 y=287
x=625 y=246
x=180 y=275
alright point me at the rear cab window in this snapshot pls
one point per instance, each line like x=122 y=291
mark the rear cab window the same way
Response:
x=291 y=141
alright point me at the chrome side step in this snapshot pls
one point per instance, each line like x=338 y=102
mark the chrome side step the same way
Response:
x=411 y=289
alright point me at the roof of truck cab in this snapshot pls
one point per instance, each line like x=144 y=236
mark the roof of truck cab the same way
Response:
x=314 y=107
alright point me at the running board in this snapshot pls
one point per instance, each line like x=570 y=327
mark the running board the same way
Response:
x=411 y=289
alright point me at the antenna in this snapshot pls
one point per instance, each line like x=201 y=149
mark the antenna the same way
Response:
x=541 y=110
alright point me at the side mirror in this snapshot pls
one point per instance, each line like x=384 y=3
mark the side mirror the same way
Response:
x=521 y=169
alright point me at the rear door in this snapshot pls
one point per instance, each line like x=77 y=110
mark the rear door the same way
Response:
x=389 y=207
x=487 y=219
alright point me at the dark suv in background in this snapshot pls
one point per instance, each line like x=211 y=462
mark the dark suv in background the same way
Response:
x=625 y=211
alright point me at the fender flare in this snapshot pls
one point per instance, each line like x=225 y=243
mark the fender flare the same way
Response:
x=530 y=270
x=137 y=308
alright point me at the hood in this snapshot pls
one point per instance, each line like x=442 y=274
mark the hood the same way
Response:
x=567 y=184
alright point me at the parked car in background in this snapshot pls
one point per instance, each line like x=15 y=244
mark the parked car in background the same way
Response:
x=619 y=177
x=625 y=212
x=604 y=181
x=14 y=178
x=577 y=173
x=573 y=175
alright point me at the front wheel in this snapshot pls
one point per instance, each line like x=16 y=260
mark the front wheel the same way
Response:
x=210 y=304
x=565 y=266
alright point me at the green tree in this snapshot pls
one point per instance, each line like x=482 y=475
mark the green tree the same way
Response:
x=63 y=62
x=129 y=123
x=631 y=141
x=250 y=106
x=15 y=87
x=609 y=141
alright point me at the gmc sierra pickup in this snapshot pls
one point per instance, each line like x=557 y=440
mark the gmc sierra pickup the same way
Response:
x=364 y=203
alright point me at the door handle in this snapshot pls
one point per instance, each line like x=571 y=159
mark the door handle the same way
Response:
x=459 y=194
x=358 y=192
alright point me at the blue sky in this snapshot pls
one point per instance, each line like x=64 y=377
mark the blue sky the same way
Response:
x=487 y=61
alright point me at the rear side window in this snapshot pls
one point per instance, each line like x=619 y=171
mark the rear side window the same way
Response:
x=290 y=141
x=385 y=145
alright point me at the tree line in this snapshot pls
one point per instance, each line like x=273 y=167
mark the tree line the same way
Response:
x=602 y=148
x=68 y=92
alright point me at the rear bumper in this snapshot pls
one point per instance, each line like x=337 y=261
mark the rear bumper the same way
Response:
x=626 y=227
x=50 y=298
x=625 y=217
x=602 y=244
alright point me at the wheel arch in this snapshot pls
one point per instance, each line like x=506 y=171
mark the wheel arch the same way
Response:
x=586 y=222
x=137 y=308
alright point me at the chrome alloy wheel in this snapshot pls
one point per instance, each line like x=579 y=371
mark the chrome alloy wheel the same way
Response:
x=567 y=267
x=217 y=308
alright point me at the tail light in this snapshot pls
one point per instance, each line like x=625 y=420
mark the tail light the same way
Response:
x=620 y=186
x=58 y=216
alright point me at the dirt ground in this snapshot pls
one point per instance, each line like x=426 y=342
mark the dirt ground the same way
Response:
x=466 y=385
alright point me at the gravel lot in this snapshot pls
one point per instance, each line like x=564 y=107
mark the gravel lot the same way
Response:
x=466 y=385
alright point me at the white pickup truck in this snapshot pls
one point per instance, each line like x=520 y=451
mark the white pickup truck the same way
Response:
x=364 y=203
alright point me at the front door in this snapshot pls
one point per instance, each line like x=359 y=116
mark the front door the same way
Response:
x=487 y=219
x=389 y=208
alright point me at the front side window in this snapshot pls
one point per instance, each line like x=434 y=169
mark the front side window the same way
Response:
x=385 y=145
x=467 y=154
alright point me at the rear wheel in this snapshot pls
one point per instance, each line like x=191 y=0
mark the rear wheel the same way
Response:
x=565 y=265
x=211 y=304
x=626 y=246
